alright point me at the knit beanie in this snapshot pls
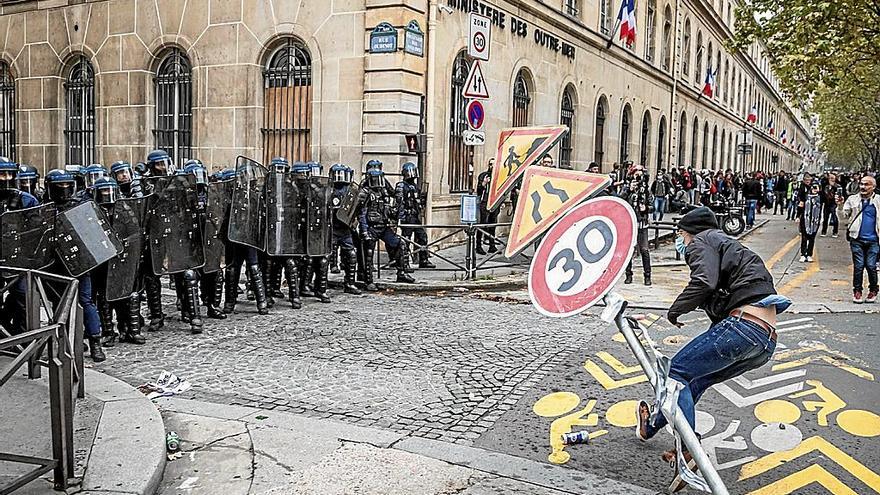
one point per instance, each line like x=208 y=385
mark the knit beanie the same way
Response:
x=698 y=220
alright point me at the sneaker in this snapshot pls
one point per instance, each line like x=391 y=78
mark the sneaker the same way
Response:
x=809 y=259
x=857 y=297
x=872 y=296
x=835 y=236
x=803 y=259
x=823 y=235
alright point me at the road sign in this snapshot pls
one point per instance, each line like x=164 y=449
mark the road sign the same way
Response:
x=479 y=36
x=547 y=194
x=475 y=115
x=519 y=147
x=473 y=138
x=582 y=256
x=475 y=87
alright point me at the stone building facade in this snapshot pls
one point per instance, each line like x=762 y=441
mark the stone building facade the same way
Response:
x=100 y=81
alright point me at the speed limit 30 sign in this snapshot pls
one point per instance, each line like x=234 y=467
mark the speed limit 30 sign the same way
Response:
x=582 y=257
x=479 y=36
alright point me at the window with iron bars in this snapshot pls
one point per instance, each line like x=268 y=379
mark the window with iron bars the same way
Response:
x=173 y=85
x=566 y=118
x=460 y=156
x=287 y=103
x=521 y=100
x=7 y=112
x=571 y=8
x=79 y=127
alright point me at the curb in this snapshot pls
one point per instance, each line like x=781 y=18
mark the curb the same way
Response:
x=128 y=453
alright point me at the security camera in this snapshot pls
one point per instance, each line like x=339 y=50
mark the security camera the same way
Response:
x=446 y=9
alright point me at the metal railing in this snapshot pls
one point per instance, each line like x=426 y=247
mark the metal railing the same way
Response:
x=50 y=334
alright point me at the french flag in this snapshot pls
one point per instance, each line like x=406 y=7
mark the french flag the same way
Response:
x=626 y=17
x=783 y=136
x=709 y=86
x=770 y=128
x=753 y=115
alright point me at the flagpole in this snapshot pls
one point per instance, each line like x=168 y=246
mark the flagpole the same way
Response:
x=613 y=32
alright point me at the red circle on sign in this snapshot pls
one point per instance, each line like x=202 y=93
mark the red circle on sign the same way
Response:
x=617 y=214
x=476 y=115
x=479 y=42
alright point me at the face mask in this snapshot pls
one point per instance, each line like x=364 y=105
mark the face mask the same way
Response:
x=680 y=246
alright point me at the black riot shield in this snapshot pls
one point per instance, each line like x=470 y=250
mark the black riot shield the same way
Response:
x=347 y=209
x=84 y=239
x=319 y=198
x=216 y=216
x=247 y=213
x=284 y=211
x=128 y=221
x=27 y=237
x=174 y=227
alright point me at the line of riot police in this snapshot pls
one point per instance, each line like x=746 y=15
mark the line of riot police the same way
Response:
x=118 y=232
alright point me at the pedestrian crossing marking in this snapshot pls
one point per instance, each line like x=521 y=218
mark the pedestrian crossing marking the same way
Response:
x=830 y=403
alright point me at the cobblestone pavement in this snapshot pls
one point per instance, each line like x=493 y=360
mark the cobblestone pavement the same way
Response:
x=439 y=367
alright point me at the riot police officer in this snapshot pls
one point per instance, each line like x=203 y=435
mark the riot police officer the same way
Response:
x=129 y=183
x=282 y=202
x=28 y=180
x=377 y=221
x=158 y=165
x=314 y=228
x=410 y=206
x=340 y=176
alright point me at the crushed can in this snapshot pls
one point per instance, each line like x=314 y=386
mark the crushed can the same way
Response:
x=576 y=437
x=172 y=442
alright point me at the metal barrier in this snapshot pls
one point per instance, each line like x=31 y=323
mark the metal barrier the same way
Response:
x=471 y=265
x=60 y=338
x=657 y=227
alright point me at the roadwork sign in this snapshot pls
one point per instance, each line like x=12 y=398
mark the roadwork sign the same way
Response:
x=519 y=147
x=479 y=36
x=475 y=87
x=582 y=256
x=547 y=194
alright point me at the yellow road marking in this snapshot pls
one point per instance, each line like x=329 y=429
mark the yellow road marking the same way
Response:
x=800 y=278
x=617 y=365
x=610 y=383
x=830 y=403
x=802 y=478
x=828 y=359
x=779 y=254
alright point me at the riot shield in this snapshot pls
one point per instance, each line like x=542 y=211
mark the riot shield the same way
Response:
x=284 y=201
x=128 y=222
x=27 y=237
x=84 y=239
x=347 y=209
x=174 y=227
x=216 y=216
x=247 y=213
x=318 y=235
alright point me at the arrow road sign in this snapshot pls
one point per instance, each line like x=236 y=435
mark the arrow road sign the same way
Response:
x=475 y=87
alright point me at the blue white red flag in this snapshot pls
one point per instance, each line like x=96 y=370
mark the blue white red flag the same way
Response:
x=626 y=17
x=709 y=85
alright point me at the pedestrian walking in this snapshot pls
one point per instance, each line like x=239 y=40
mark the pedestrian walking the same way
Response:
x=487 y=216
x=831 y=194
x=810 y=220
x=637 y=193
x=660 y=188
x=863 y=234
x=780 y=191
x=732 y=285
x=752 y=193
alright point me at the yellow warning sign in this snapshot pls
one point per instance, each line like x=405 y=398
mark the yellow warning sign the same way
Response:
x=547 y=194
x=518 y=148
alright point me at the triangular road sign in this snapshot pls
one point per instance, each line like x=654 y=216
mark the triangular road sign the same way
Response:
x=518 y=148
x=547 y=194
x=476 y=84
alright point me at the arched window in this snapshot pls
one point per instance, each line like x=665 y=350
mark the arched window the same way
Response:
x=625 y=133
x=709 y=66
x=79 y=126
x=287 y=103
x=667 y=38
x=173 y=86
x=645 y=142
x=715 y=69
x=606 y=16
x=706 y=146
x=715 y=147
x=566 y=117
x=661 y=144
x=7 y=112
x=694 y=135
x=727 y=81
x=698 y=60
x=686 y=56
x=599 y=137
x=682 y=139
x=460 y=156
x=650 y=30
x=723 y=163
x=522 y=99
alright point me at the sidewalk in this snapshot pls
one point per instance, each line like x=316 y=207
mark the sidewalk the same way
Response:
x=119 y=438
x=237 y=450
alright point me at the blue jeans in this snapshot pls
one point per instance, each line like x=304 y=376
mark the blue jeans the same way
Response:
x=751 y=206
x=91 y=322
x=728 y=349
x=659 y=207
x=864 y=255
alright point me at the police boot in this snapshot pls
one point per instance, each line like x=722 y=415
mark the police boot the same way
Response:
x=233 y=273
x=182 y=301
x=95 y=350
x=424 y=262
x=349 y=264
x=306 y=274
x=403 y=268
x=321 y=265
x=133 y=331
x=335 y=261
x=215 y=294
x=259 y=288
x=105 y=314
x=290 y=274
x=191 y=298
x=271 y=286
x=369 y=285
x=153 y=287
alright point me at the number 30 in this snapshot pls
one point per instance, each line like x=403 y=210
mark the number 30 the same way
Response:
x=572 y=264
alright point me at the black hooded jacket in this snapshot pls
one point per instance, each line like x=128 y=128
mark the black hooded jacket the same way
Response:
x=724 y=276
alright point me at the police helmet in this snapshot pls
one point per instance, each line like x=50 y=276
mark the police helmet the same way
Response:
x=375 y=178
x=317 y=168
x=301 y=170
x=121 y=172
x=105 y=191
x=338 y=173
x=349 y=173
x=8 y=172
x=374 y=164
x=27 y=178
x=197 y=169
x=409 y=170
x=60 y=185
x=280 y=165
x=223 y=175
x=77 y=172
x=159 y=163
x=94 y=172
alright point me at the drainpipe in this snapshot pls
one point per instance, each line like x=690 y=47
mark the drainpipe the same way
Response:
x=430 y=113
x=672 y=113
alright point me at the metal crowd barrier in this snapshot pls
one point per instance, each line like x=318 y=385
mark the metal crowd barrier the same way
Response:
x=55 y=343
x=666 y=226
